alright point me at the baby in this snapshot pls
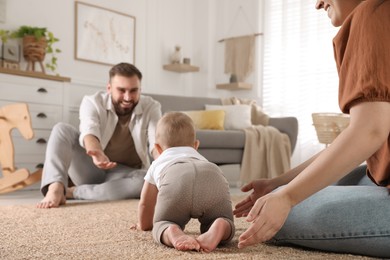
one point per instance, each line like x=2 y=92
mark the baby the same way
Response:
x=181 y=184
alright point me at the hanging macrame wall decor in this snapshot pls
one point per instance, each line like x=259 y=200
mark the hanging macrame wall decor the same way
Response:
x=239 y=53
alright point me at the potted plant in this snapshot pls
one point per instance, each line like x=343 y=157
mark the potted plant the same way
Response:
x=4 y=35
x=37 y=41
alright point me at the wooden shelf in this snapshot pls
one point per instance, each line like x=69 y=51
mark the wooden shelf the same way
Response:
x=180 y=67
x=32 y=74
x=235 y=86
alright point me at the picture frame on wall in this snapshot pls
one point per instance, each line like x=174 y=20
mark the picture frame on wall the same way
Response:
x=103 y=36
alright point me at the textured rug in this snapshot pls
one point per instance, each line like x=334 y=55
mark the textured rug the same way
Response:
x=101 y=230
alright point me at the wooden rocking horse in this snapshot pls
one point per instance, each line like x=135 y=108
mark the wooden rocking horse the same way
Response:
x=14 y=116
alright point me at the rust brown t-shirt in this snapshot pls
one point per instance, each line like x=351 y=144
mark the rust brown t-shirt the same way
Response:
x=362 y=53
x=121 y=148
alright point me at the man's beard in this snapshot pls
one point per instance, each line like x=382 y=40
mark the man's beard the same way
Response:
x=122 y=111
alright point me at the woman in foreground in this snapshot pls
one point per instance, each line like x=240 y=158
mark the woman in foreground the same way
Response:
x=349 y=219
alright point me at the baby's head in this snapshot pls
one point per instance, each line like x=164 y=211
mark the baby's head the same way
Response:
x=175 y=129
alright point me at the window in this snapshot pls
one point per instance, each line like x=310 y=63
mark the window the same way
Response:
x=300 y=75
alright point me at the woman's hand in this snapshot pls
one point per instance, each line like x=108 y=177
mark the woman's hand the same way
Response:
x=260 y=188
x=267 y=216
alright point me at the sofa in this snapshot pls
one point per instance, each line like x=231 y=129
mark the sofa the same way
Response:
x=222 y=146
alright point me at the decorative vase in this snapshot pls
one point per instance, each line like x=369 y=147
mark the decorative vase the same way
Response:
x=176 y=56
x=233 y=78
x=34 y=50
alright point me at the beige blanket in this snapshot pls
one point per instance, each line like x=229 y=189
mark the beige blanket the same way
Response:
x=267 y=153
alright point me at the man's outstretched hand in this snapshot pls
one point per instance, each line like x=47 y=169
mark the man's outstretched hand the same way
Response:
x=101 y=160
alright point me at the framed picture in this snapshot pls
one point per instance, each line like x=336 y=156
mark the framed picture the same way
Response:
x=103 y=36
x=11 y=52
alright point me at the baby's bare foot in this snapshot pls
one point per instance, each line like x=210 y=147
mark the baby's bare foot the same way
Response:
x=175 y=237
x=219 y=230
x=54 y=197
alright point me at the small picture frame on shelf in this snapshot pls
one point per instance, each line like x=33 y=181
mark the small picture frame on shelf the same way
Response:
x=11 y=52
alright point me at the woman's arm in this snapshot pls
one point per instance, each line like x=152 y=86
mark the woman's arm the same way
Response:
x=291 y=174
x=368 y=130
x=262 y=187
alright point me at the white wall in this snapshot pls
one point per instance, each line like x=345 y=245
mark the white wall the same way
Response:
x=237 y=18
x=59 y=17
x=196 y=25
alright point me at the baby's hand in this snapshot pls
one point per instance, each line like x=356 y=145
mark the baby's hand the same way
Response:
x=135 y=227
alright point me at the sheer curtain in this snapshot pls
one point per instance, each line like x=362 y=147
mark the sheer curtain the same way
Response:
x=300 y=75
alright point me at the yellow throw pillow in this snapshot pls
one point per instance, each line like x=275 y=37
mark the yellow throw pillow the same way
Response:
x=212 y=119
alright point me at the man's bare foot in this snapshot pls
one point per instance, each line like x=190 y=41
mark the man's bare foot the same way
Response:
x=219 y=230
x=173 y=236
x=54 y=197
x=69 y=192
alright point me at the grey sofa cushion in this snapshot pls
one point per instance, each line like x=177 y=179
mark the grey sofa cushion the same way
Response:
x=218 y=139
x=222 y=156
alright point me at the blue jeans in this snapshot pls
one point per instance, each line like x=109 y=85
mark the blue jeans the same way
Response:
x=353 y=218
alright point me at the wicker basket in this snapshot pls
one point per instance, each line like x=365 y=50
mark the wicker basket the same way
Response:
x=329 y=125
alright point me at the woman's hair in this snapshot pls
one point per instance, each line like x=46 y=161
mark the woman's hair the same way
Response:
x=126 y=70
x=175 y=129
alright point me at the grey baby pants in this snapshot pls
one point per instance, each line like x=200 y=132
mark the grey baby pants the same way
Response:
x=192 y=189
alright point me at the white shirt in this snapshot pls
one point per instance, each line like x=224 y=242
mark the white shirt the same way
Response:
x=98 y=118
x=153 y=176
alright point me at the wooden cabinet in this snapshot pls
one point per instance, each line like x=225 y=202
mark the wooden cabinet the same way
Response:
x=45 y=99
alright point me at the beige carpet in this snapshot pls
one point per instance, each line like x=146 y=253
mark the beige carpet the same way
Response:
x=101 y=230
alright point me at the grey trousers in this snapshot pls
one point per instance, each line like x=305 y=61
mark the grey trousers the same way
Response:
x=192 y=189
x=353 y=218
x=65 y=157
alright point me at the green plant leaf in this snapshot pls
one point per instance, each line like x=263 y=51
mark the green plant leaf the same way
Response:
x=38 y=33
